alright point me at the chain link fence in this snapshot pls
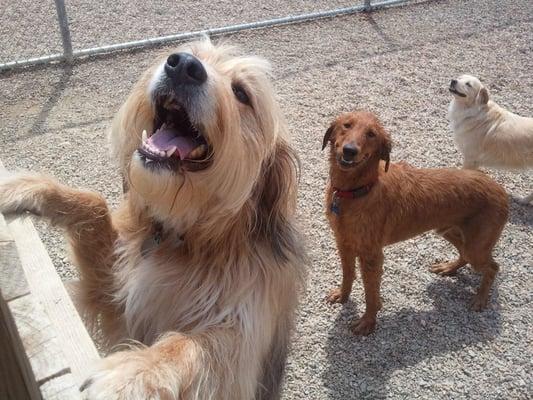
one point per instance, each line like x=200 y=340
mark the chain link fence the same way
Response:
x=43 y=32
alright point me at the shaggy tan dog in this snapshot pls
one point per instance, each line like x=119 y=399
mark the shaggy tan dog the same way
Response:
x=485 y=133
x=201 y=263
x=372 y=204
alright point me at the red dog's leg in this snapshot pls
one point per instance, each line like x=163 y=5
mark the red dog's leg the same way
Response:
x=371 y=271
x=342 y=293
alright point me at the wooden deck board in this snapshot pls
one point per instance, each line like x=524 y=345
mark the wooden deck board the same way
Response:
x=47 y=288
x=46 y=349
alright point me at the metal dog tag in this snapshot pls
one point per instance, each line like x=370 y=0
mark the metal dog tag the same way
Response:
x=335 y=206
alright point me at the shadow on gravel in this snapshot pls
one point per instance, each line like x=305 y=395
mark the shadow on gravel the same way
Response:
x=360 y=368
x=393 y=46
x=58 y=90
x=377 y=28
x=520 y=214
x=38 y=127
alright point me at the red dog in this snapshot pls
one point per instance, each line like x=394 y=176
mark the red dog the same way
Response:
x=371 y=204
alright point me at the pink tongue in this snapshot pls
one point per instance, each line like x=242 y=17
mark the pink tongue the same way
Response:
x=165 y=138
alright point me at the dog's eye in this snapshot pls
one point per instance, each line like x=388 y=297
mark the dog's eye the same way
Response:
x=241 y=94
x=468 y=84
x=371 y=134
x=347 y=125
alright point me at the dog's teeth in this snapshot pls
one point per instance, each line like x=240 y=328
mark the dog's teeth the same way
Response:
x=171 y=151
x=144 y=136
x=162 y=153
x=198 y=152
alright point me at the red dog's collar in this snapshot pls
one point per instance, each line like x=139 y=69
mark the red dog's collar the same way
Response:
x=348 y=194
x=354 y=193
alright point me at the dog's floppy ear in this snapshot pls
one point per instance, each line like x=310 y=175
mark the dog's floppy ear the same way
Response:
x=327 y=135
x=482 y=96
x=125 y=185
x=386 y=147
x=276 y=200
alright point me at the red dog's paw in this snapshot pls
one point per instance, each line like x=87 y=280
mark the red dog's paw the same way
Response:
x=478 y=303
x=336 y=296
x=364 y=326
x=445 y=268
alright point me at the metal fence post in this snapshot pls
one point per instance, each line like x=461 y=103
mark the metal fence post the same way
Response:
x=65 y=31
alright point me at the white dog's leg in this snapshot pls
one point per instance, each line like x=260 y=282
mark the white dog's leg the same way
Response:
x=20 y=192
x=85 y=217
x=44 y=196
x=161 y=371
x=176 y=367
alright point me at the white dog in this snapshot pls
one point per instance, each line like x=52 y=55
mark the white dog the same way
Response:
x=485 y=133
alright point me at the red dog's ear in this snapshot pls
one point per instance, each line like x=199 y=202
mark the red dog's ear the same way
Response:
x=386 y=147
x=327 y=135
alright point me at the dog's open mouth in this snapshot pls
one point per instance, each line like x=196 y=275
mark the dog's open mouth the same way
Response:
x=351 y=164
x=454 y=91
x=176 y=142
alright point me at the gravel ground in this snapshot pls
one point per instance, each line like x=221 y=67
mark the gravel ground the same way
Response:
x=29 y=28
x=396 y=62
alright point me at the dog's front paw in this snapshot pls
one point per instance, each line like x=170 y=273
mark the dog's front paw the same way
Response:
x=16 y=192
x=132 y=375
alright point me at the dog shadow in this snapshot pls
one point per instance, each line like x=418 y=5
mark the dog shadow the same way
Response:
x=360 y=367
x=520 y=214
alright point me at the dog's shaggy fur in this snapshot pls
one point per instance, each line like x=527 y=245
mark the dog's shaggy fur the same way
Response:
x=201 y=263
x=466 y=207
x=485 y=133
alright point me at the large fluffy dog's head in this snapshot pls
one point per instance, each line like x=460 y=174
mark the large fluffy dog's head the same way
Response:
x=468 y=91
x=201 y=136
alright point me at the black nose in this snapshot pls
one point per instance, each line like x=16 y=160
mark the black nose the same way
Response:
x=453 y=82
x=185 y=68
x=349 y=151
